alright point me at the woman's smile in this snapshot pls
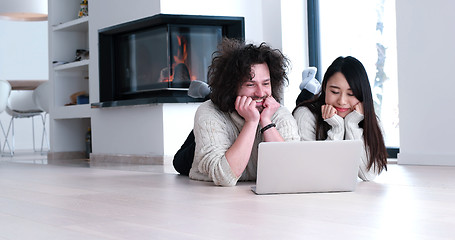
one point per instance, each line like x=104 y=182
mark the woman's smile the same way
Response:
x=342 y=109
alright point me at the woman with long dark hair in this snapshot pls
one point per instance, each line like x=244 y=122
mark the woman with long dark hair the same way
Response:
x=344 y=110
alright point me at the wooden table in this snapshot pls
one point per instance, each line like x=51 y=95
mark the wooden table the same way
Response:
x=25 y=84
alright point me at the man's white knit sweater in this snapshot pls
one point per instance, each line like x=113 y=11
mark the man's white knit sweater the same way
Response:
x=342 y=129
x=215 y=132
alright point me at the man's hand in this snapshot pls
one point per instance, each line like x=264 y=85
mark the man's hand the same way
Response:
x=246 y=107
x=270 y=107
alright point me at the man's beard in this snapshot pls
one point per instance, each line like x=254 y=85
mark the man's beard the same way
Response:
x=260 y=108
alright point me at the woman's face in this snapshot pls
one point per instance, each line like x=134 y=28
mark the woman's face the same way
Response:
x=338 y=93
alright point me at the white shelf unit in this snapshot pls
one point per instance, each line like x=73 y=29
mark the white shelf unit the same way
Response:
x=73 y=66
x=76 y=25
x=68 y=33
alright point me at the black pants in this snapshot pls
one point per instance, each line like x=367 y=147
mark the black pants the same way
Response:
x=183 y=159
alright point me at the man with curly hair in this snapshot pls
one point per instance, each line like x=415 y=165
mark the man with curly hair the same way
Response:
x=243 y=110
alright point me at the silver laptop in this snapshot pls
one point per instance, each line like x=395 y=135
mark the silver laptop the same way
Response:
x=307 y=166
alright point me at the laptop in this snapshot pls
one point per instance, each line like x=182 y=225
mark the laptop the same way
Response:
x=307 y=166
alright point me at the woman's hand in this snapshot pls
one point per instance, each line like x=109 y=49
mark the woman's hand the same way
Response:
x=246 y=107
x=359 y=108
x=328 y=111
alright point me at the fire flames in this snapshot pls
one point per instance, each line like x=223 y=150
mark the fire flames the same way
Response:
x=182 y=53
x=181 y=71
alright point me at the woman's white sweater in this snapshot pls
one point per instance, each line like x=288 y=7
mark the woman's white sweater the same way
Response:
x=342 y=129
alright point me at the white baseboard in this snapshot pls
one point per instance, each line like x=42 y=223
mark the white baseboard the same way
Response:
x=426 y=159
x=103 y=159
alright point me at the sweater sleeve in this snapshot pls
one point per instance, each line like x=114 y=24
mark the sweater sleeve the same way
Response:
x=286 y=125
x=213 y=139
x=337 y=130
x=354 y=132
x=306 y=122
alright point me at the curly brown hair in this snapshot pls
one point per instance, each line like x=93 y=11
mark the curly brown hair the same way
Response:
x=231 y=67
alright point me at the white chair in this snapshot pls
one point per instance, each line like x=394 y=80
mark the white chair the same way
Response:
x=41 y=97
x=20 y=105
x=5 y=90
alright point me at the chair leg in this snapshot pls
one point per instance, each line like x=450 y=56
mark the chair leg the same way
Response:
x=48 y=144
x=33 y=133
x=6 y=141
x=10 y=147
x=44 y=137
x=13 y=141
x=11 y=129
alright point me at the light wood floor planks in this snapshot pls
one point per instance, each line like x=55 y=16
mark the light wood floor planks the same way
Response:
x=40 y=201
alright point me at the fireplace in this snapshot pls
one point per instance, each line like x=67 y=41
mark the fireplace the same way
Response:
x=153 y=60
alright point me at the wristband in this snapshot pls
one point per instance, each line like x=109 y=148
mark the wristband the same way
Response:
x=271 y=125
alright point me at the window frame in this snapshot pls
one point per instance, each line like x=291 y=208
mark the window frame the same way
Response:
x=314 y=51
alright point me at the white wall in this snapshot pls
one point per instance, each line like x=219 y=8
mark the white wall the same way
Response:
x=150 y=129
x=178 y=120
x=24 y=50
x=294 y=37
x=251 y=10
x=426 y=50
x=106 y=13
x=23 y=56
x=133 y=130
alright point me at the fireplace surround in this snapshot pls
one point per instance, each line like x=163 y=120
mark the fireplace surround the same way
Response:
x=154 y=59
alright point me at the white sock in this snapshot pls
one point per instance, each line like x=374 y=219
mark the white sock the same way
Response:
x=309 y=82
x=198 y=89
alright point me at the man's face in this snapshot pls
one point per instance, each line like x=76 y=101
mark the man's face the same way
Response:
x=258 y=88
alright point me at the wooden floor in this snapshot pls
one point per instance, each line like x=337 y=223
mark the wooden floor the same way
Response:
x=40 y=201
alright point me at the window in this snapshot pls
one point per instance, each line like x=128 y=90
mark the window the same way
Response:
x=366 y=31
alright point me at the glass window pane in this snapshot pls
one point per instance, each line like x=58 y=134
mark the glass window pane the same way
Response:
x=366 y=31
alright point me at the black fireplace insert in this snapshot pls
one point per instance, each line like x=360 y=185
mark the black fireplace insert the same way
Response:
x=154 y=59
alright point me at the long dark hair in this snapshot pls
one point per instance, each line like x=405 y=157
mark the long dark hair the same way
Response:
x=231 y=66
x=354 y=72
